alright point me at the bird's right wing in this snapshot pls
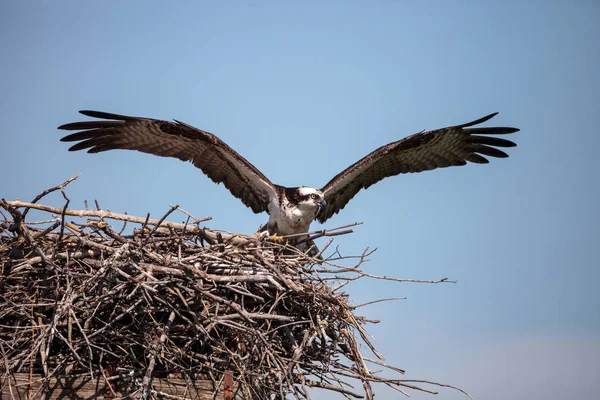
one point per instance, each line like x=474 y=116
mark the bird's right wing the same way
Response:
x=451 y=146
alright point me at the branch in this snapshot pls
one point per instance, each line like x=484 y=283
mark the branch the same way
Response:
x=48 y=191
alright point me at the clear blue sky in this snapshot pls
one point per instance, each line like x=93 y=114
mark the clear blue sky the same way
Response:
x=302 y=91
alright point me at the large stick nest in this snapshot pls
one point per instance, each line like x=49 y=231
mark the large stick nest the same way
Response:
x=170 y=299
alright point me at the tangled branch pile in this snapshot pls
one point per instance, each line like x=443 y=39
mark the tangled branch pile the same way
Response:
x=175 y=300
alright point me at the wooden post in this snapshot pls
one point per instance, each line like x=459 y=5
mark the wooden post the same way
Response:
x=18 y=387
x=228 y=385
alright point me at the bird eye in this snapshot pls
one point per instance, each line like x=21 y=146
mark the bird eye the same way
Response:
x=313 y=196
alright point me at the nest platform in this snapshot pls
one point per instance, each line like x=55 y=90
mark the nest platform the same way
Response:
x=133 y=304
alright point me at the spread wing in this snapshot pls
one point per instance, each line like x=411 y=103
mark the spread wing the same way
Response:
x=176 y=139
x=423 y=151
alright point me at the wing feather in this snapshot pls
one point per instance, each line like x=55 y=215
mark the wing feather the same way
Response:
x=176 y=139
x=451 y=146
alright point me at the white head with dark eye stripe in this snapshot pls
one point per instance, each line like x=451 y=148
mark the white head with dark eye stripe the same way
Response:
x=310 y=198
x=309 y=201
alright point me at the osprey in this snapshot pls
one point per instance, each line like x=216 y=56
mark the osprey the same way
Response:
x=291 y=209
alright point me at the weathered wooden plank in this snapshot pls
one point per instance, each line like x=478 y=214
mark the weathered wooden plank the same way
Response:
x=21 y=387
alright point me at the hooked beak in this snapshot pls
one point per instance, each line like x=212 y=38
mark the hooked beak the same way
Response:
x=321 y=204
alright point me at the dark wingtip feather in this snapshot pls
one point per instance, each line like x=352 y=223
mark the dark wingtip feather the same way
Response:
x=72 y=126
x=110 y=120
x=489 y=151
x=93 y=114
x=68 y=138
x=479 y=121
x=79 y=146
x=105 y=115
x=477 y=159
x=90 y=143
x=499 y=130
x=491 y=141
x=89 y=134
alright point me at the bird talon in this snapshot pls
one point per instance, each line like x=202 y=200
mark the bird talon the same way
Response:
x=264 y=235
x=276 y=238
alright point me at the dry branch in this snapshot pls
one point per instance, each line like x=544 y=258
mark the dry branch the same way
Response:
x=176 y=300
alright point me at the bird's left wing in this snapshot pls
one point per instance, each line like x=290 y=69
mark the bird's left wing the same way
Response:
x=452 y=146
x=214 y=157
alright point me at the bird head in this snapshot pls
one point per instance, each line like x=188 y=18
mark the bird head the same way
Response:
x=310 y=199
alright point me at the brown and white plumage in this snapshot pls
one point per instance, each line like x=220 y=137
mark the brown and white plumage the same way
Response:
x=176 y=139
x=451 y=146
x=291 y=210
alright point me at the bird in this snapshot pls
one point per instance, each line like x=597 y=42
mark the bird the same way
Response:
x=291 y=210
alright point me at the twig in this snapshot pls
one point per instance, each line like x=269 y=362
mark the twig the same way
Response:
x=62 y=219
x=378 y=301
x=48 y=191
